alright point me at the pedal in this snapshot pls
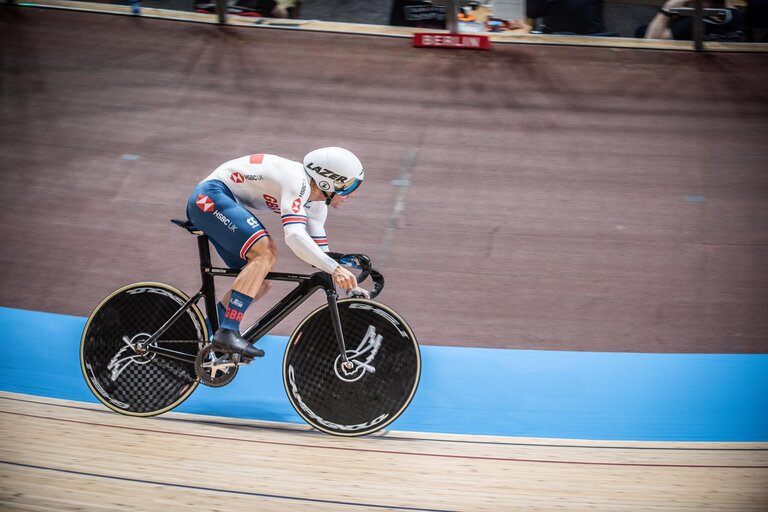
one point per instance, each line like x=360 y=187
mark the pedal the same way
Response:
x=242 y=360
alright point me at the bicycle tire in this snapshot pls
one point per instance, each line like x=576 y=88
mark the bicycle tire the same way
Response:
x=140 y=385
x=362 y=401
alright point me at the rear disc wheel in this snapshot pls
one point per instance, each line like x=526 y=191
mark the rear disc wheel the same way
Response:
x=121 y=370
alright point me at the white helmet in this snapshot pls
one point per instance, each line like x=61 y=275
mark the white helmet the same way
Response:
x=335 y=170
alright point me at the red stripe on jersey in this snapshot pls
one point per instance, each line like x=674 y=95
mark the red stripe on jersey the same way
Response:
x=294 y=218
x=257 y=159
x=252 y=240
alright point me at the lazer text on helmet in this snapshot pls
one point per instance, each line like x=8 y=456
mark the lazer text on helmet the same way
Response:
x=325 y=172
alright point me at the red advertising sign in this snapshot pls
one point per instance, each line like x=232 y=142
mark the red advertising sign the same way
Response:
x=467 y=41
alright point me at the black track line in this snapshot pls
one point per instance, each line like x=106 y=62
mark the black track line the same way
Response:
x=227 y=491
x=386 y=452
x=400 y=438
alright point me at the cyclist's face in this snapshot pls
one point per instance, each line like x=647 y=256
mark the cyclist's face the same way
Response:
x=338 y=200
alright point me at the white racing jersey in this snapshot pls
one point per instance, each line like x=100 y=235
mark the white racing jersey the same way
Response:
x=271 y=183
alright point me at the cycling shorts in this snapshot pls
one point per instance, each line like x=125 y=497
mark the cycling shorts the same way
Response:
x=231 y=228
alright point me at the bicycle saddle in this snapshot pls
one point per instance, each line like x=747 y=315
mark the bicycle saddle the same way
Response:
x=187 y=225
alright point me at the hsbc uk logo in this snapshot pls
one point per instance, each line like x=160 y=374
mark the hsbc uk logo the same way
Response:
x=296 y=207
x=238 y=177
x=225 y=220
x=205 y=203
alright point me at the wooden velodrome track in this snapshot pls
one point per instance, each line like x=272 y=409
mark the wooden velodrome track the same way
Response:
x=61 y=456
x=580 y=199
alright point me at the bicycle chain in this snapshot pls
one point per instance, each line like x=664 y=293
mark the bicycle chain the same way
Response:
x=199 y=371
x=161 y=363
x=180 y=341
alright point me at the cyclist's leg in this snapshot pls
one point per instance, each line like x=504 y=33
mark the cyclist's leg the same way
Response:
x=248 y=286
x=242 y=242
x=262 y=254
x=234 y=262
x=261 y=257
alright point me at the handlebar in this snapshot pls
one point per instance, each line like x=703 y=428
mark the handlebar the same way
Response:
x=361 y=262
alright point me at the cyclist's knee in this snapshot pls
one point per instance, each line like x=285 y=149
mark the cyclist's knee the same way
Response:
x=263 y=251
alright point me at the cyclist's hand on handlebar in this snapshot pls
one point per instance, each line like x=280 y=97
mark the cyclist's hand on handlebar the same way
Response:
x=359 y=292
x=344 y=278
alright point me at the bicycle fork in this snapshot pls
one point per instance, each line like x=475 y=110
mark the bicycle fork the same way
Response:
x=336 y=319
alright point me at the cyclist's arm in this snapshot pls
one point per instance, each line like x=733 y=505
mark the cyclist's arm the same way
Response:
x=299 y=241
x=317 y=212
x=294 y=218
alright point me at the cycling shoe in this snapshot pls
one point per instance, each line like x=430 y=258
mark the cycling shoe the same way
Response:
x=230 y=342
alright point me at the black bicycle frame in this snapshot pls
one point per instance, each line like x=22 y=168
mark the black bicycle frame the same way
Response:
x=308 y=284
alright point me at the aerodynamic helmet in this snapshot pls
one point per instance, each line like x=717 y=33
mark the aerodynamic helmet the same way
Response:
x=335 y=170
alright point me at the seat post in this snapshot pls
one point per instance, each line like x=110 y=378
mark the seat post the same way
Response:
x=208 y=287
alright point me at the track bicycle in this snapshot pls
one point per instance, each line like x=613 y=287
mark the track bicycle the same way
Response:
x=350 y=368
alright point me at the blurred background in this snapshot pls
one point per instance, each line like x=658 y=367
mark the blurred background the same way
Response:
x=736 y=20
x=574 y=223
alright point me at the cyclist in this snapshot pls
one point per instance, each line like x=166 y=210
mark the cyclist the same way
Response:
x=300 y=193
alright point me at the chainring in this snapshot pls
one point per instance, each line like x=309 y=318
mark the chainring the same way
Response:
x=215 y=370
